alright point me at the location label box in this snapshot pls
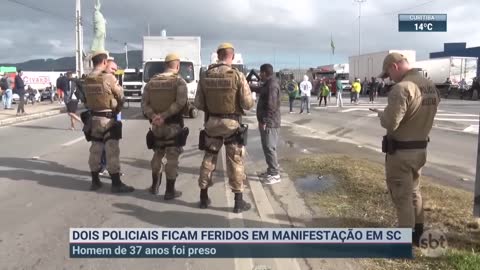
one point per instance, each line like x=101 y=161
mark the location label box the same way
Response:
x=422 y=22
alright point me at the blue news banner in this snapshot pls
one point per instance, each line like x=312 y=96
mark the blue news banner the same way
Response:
x=240 y=243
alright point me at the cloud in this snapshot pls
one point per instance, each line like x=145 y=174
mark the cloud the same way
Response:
x=284 y=32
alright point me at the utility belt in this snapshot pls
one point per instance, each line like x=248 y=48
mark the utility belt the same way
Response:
x=110 y=115
x=180 y=139
x=174 y=119
x=240 y=137
x=115 y=130
x=390 y=146
x=231 y=116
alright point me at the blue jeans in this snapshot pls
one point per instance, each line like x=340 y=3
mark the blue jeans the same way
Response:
x=305 y=102
x=7 y=99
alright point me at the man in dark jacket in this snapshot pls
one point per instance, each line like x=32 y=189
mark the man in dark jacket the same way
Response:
x=268 y=116
x=20 y=91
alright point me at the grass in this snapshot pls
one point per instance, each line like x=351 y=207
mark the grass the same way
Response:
x=360 y=199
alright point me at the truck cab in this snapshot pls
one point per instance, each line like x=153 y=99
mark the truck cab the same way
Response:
x=187 y=71
x=132 y=84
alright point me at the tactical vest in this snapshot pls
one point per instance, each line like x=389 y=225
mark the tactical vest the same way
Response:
x=428 y=89
x=162 y=92
x=221 y=92
x=98 y=98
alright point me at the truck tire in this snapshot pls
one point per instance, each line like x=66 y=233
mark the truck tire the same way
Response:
x=475 y=94
x=193 y=113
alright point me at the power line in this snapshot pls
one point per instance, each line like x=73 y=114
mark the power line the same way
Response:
x=401 y=10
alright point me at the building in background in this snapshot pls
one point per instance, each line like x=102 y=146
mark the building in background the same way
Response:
x=458 y=49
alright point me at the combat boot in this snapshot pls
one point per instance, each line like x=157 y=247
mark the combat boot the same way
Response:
x=417 y=234
x=96 y=183
x=204 y=200
x=240 y=204
x=118 y=186
x=156 y=181
x=170 y=192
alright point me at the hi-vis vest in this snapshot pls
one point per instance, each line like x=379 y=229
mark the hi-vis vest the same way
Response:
x=221 y=92
x=162 y=92
x=98 y=98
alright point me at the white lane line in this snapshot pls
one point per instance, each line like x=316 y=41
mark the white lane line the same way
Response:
x=373 y=115
x=73 y=141
x=354 y=109
x=235 y=220
x=456 y=114
x=456 y=120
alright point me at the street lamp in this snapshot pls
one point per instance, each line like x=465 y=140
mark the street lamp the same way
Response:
x=360 y=2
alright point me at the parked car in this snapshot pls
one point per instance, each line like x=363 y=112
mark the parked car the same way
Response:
x=46 y=95
x=16 y=97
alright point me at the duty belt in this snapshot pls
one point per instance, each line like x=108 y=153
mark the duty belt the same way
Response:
x=227 y=116
x=105 y=114
x=411 y=145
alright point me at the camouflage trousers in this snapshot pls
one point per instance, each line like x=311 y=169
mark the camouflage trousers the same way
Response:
x=112 y=149
x=235 y=164
x=403 y=171
x=163 y=149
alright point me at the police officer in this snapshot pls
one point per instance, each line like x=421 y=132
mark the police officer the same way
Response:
x=165 y=98
x=104 y=97
x=223 y=94
x=408 y=119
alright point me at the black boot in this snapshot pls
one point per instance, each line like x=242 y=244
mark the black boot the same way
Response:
x=417 y=234
x=156 y=181
x=96 y=184
x=240 y=204
x=118 y=186
x=170 y=192
x=204 y=200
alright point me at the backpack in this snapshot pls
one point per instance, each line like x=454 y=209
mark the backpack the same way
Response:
x=3 y=84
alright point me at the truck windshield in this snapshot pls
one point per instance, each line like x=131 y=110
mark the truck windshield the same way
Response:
x=132 y=77
x=343 y=76
x=153 y=68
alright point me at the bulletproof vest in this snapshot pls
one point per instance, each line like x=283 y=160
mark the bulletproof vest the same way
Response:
x=162 y=92
x=429 y=92
x=221 y=92
x=98 y=98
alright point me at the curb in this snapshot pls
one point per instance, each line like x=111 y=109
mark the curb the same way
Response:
x=20 y=119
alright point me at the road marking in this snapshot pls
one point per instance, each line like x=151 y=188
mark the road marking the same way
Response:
x=373 y=115
x=73 y=141
x=456 y=114
x=354 y=109
x=456 y=120
x=471 y=129
x=235 y=220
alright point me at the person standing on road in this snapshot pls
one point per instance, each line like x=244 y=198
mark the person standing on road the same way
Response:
x=408 y=119
x=373 y=90
x=164 y=99
x=292 y=89
x=20 y=90
x=339 y=92
x=224 y=94
x=104 y=98
x=306 y=92
x=7 y=86
x=323 y=93
x=356 y=89
x=268 y=116
x=71 y=100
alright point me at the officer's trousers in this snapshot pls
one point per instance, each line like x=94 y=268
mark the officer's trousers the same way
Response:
x=235 y=164
x=165 y=149
x=403 y=171
x=112 y=149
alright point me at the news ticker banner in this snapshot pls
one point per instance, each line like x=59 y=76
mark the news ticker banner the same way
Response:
x=240 y=243
x=422 y=22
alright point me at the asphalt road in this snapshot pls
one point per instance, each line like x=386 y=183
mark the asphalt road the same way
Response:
x=44 y=181
x=452 y=151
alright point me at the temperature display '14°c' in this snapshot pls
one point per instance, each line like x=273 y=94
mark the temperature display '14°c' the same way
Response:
x=422 y=22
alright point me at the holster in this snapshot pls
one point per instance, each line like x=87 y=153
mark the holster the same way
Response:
x=181 y=139
x=242 y=135
x=150 y=138
x=202 y=140
x=116 y=131
x=86 y=118
x=388 y=146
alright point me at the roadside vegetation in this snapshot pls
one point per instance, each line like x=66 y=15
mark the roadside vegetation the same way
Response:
x=359 y=198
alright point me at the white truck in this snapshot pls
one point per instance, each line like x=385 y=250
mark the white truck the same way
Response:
x=370 y=65
x=237 y=62
x=455 y=68
x=132 y=83
x=156 y=48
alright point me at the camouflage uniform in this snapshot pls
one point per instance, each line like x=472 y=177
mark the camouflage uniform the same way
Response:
x=173 y=100
x=219 y=130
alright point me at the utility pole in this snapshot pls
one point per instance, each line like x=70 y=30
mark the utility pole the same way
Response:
x=126 y=54
x=78 y=39
x=360 y=2
x=476 y=202
x=148 y=29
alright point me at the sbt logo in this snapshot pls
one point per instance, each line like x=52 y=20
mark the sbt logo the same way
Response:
x=433 y=243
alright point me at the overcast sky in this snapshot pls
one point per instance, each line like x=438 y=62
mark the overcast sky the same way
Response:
x=283 y=32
